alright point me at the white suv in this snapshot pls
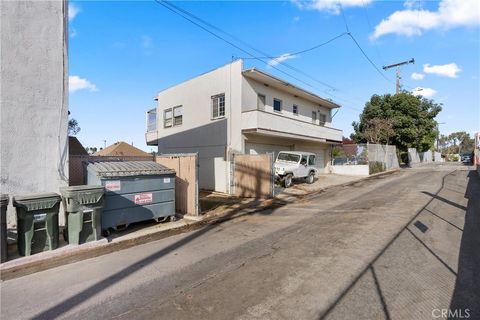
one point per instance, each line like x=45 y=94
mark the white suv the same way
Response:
x=290 y=165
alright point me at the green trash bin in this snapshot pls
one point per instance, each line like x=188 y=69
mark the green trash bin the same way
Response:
x=37 y=222
x=83 y=210
x=3 y=227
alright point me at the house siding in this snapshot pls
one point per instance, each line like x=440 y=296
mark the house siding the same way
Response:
x=34 y=93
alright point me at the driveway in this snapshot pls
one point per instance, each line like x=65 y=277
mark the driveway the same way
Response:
x=344 y=253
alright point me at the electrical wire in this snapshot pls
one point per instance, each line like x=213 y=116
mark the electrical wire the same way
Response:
x=186 y=14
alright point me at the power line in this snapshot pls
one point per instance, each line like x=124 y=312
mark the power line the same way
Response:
x=306 y=50
x=163 y=2
x=178 y=11
x=229 y=42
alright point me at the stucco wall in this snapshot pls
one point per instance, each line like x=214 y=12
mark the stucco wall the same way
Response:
x=252 y=88
x=34 y=92
x=214 y=140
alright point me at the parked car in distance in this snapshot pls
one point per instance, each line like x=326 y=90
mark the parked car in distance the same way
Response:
x=291 y=165
x=466 y=157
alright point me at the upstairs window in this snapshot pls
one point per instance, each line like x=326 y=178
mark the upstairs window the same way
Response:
x=295 y=110
x=261 y=102
x=218 y=106
x=277 y=105
x=177 y=116
x=323 y=118
x=314 y=116
x=167 y=118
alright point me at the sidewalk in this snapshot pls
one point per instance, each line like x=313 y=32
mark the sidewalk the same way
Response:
x=150 y=231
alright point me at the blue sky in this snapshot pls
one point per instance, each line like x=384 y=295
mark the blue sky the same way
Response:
x=121 y=54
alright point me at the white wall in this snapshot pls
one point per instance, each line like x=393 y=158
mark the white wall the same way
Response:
x=354 y=170
x=214 y=140
x=252 y=88
x=34 y=92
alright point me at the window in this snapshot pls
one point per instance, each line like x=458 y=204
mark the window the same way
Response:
x=218 y=106
x=304 y=160
x=295 y=110
x=314 y=116
x=311 y=161
x=277 y=105
x=167 y=118
x=261 y=102
x=177 y=116
x=323 y=118
x=152 y=120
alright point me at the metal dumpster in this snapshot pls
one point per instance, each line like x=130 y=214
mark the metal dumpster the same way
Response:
x=3 y=227
x=134 y=191
x=37 y=222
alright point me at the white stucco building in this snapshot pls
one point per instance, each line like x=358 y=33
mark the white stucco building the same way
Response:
x=33 y=99
x=232 y=110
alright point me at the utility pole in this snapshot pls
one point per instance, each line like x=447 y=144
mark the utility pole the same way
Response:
x=398 y=71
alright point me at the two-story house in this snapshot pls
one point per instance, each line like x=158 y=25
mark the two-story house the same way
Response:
x=232 y=110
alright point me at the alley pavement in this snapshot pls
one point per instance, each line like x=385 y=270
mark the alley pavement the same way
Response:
x=396 y=246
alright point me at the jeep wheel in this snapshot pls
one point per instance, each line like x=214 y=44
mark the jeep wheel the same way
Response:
x=311 y=177
x=287 y=181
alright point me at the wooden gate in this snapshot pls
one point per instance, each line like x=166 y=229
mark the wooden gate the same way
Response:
x=186 y=182
x=253 y=175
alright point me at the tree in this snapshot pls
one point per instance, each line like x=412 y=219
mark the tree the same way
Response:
x=73 y=127
x=404 y=120
x=378 y=130
x=456 y=142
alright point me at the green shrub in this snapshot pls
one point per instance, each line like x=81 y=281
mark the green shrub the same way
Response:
x=376 y=167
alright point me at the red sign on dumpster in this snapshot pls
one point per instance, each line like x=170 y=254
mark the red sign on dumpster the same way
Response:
x=143 y=198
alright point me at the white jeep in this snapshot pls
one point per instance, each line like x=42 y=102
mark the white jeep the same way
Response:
x=291 y=165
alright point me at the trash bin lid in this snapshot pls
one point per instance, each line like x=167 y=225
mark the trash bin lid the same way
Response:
x=127 y=168
x=36 y=196
x=82 y=188
x=4 y=200
x=75 y=190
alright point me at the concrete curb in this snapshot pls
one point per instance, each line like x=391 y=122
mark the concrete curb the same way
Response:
x=69 y=254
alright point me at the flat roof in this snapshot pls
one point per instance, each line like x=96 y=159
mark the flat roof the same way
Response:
x=263 y=77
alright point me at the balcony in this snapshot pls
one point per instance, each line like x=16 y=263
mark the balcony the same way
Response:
x=267 y=123
x=151 y=134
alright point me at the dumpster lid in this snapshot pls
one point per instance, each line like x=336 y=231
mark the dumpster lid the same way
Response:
x=4 y=199
x=127 y=168
x=82 y=188
x=36 y=196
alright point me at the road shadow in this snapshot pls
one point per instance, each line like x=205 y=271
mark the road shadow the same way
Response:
x=466 y=294
x=437 y=197
x=68 y=304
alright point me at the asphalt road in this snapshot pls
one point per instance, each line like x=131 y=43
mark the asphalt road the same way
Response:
x=398 y=246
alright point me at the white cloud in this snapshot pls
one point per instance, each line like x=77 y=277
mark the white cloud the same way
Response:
x=76 y=83
x=330 y=6
x=281 y=58
x=417 y=76
x=413 y=22
x=73 y=10
x=446 y=70
x=424 y=92
x=297 y=18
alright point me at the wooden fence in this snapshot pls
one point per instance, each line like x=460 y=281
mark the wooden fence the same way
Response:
x=76 y=170
x=186 y=186
x=253 y=175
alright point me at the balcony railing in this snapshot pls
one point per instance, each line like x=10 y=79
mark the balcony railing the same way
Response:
x=152 y=120
x=276 y=123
